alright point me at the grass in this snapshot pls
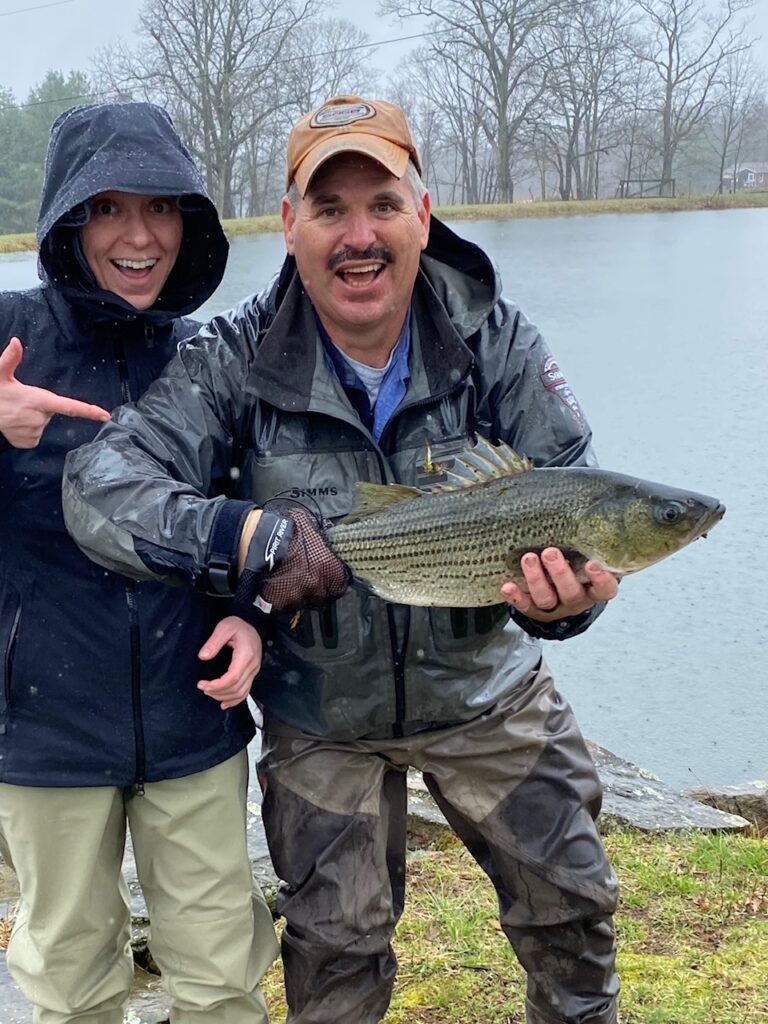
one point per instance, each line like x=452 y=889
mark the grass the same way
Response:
x=502 y=211
x=591 y=207
x=692 y=926
x=18 y=243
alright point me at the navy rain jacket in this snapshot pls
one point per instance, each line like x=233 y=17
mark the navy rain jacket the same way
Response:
x=97 y=672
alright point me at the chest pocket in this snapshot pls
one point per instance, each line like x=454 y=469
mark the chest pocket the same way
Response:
x=325 y=484
x=313 y=459
x=457 y=629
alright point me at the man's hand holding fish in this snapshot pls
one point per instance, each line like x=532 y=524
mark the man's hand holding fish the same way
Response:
x=554 y=590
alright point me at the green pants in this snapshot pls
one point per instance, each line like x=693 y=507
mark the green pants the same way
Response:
x=211 y=931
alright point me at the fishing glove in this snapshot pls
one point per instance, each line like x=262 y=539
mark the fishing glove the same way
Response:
x=289 y=564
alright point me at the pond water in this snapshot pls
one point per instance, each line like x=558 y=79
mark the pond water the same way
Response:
x=660 y=323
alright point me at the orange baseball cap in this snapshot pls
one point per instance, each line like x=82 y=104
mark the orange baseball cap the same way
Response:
x=349 y=124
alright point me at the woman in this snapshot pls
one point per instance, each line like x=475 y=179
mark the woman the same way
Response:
x=103 y=720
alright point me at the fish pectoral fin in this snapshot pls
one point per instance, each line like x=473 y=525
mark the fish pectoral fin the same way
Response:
x=575 y=559
x=371 y=498
x=512 y=563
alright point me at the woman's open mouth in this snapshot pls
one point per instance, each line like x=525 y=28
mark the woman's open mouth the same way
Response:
x=135 y=268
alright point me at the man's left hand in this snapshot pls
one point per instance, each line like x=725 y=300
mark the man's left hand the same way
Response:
x=554 y=592
x=235 y=685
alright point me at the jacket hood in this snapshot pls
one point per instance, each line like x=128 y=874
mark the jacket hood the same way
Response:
x=458 y=271
x=126 y=147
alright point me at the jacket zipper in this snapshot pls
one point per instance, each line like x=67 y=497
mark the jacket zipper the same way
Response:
x=396 y=650
x=429 y=400
x=398 y=653
x=398 y=669
x=8 y=661
x=137 y=789
x=398 y=661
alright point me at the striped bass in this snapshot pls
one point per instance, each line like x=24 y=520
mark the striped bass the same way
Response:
x=455 y=543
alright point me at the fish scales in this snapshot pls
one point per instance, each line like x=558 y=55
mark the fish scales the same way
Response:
x=455 y=547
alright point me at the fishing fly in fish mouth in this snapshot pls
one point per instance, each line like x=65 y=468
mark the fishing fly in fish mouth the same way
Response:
x=456 y=542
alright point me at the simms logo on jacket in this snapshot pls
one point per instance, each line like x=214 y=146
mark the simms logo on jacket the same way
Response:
x=553 y=380
x=313 y=492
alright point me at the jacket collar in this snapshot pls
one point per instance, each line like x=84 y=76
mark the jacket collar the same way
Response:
x=291 y=373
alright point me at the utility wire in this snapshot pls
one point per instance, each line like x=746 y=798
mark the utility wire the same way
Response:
x=250 y=67
x=39 y=7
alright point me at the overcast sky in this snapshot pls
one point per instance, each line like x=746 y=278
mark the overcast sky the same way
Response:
x=65 y=35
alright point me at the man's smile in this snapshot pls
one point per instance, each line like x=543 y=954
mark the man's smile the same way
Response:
x=358 y=277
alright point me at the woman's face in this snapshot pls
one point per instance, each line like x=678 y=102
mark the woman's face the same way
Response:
x=131 y=243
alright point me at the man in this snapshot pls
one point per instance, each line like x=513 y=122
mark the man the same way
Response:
x=383 y=330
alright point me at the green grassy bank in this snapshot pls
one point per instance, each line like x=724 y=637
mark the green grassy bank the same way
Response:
x=17 y=243
x=692 y=925
x=510 y=211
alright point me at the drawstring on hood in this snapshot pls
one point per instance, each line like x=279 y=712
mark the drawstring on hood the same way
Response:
x=125 y=147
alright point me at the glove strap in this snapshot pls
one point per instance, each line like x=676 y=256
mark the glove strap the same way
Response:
x=268 y=549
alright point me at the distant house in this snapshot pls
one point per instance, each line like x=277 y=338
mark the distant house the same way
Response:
x=750 y=177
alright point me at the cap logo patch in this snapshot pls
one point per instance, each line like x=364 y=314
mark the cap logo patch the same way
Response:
x=339 y=114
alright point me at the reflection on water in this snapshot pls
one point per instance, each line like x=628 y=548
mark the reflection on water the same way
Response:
x=659 y=322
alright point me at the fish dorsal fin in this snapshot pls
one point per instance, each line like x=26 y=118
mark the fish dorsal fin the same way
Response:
x=371 y=498
x=479 y=465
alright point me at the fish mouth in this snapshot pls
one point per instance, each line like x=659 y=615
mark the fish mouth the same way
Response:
x=711 y=518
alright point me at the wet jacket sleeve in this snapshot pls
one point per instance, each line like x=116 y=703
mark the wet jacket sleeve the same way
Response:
x=147 y=497
x=529 y=404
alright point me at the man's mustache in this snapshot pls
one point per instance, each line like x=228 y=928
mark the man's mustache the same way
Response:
x=373 y=254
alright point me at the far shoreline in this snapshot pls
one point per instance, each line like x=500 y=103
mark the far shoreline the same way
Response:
x=497 y=211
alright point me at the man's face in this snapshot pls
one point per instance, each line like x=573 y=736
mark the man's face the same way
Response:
x=131 y=243
x=357 y=236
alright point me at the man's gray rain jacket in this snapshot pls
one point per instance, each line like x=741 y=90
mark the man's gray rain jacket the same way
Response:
x=97 y=673
x=251 y=409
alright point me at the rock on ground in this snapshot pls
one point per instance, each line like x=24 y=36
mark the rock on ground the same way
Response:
x=750 y=800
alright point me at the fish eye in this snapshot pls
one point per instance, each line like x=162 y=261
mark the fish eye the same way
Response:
x=669 y=514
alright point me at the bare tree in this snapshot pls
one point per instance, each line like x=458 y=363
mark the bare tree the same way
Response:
x=739 y=93
x=457 y=159
x=216 y=65
x=499 y=40
x=427 y=122
x=590 y=76
x=687 y=46
x=329 y=56
x=638 y=143
x=325 y=57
